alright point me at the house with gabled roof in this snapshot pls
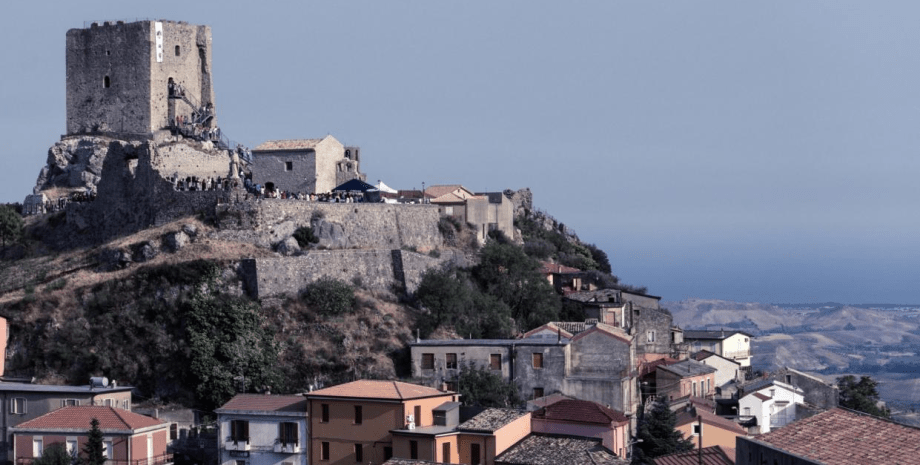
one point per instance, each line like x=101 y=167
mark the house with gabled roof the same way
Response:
x=837 y=436
x=731 y=344
x=584 y=418
x=305 y=165
x=263 y=429
x=352 y=422
x=684 y=378
x=485 y=211
x=128 y=437
x=727 y=371
x=774 y=404
x=698 y=424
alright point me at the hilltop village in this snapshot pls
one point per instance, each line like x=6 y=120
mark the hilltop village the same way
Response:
x=144 y=155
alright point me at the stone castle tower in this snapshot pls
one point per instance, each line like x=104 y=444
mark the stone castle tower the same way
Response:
x=118 y=75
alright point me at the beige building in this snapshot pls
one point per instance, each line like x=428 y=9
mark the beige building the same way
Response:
x=485 y=211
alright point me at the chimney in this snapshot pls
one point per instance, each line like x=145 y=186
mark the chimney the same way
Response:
x=443 y=387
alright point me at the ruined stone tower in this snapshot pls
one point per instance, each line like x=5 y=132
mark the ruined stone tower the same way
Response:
x=118 y=75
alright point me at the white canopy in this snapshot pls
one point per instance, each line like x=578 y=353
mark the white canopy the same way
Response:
x=385 y=188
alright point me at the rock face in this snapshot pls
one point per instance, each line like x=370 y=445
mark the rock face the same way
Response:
x=175 y=241
x=522 y=200
x=288 y=247
x=74 y=163
x=143 y=252
x=331 y=235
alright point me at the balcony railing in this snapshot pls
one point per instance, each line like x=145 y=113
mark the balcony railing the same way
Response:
x=287 y=447
x=232 y=443
x=165 y=459
x=735 y=354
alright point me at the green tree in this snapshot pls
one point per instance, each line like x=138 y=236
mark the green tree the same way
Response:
x=508 y=274
x=10 y=225
x=54 y=454
x=453 y=300
x=658 y=435
x=229 y=347
x=481 y=387
x=94 y=448
x=329 y=296
x=860 y=395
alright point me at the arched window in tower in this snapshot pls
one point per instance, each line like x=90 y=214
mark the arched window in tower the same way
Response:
x=348 y=154
x=178 y=51
x=106 y=82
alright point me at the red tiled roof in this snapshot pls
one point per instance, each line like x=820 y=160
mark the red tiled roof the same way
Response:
x=581 y=411
x=79 y=417
x=374 y=389
x=844 y=437
x=710 y=419
x=715 y=455
x=650 y=367
x=761 y=396
x=290 y=144
x=611 y=331
x=264 y=403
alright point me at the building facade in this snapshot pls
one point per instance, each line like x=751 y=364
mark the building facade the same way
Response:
x=305 y=165
x=256 y=429
x=733 y=345
x=684 y=378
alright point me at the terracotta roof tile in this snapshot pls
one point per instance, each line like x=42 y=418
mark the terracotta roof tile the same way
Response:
x=491 y=420
x=79 y=417
x=441 y=189
x=289 y=144
x=558 y=450
x=845 y=437
x=374 y=389
x=582 y=411
x=715 y=455
x=264 y=403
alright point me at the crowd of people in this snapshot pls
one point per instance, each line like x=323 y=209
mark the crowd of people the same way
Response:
x=260 y=192
x=194 y=183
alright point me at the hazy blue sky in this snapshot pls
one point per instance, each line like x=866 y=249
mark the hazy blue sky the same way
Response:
x=754 y=151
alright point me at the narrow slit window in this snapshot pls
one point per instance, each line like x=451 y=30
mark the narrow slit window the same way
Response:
x=178 y=50
x=106 y=82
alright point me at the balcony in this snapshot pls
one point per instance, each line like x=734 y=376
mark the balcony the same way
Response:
x=164 y=459
x=736 y=354
x=287 y=447
x=236 y=443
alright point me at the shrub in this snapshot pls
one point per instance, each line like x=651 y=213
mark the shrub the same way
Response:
x=304 y=236
x=56 y=285
x=330 y=296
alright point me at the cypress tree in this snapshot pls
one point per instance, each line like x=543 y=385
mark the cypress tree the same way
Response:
x=94 y=448
x=658 y=434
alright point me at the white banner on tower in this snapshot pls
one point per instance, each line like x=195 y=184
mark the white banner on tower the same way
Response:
x=158 y=26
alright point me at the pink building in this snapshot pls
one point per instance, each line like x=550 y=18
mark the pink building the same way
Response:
x=128 y=438
x=586 y=419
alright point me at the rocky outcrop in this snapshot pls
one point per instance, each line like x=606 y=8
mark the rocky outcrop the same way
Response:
x=77 y=163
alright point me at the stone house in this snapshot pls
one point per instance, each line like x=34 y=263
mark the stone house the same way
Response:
x=588 y=361
x=256 y=429
x=727 y=371
x=684 y=378
x=838 y=436
x=127 y=437
x=352 y=422
x=733 y=345
x=583 y=418
x=774 y=404
x=485 y=211
x=24 y=402
x=305 y=165
x=476 y=441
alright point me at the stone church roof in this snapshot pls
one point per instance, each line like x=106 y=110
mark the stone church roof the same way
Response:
x=290 y=144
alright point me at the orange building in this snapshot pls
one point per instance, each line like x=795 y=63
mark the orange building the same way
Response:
x=128 y=438
x=715 y=430
x=351 y=423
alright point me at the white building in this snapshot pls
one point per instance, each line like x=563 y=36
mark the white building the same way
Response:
x=727 y=371
x=772 y=403
x=257 y=429
x=731 y=344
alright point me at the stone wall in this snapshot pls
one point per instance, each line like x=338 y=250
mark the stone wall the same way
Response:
x=376 y=269
x=182 y=159
x=652 y=331
x=266 y=222
x=272 y=167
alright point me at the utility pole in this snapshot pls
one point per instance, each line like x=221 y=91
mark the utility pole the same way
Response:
x=699 y=444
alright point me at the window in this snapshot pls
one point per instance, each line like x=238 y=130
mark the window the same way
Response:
x=495 y=362
x=440 y=417
x=358 y=413
x=18 y=405
x=445 y=452
x=287 y=433
x=178 y=50
x=428 y=361
x=413 y=449
x=537 y=393
x=451 y=361
x=239 y=430
x=288 y=166
x=474 y=455
x=359 y=453
x=418 y=415
x=696 y=429
x=747 y=411
x=650 y=336
x=538 y=360
x=324 y=451
x=107 y=449
x=324 y=418
x=125 y=405
x=71 y=446
x=109 y=402
x=788 y=379
x=37 y=448
x=173 y=431
x=772 y=392
x=69 y=402
x=106 y=82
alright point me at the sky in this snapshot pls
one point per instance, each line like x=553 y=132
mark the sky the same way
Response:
x=748 y=151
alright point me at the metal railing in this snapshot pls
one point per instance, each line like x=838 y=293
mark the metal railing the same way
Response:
x=737 y=354
x=164 y=459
